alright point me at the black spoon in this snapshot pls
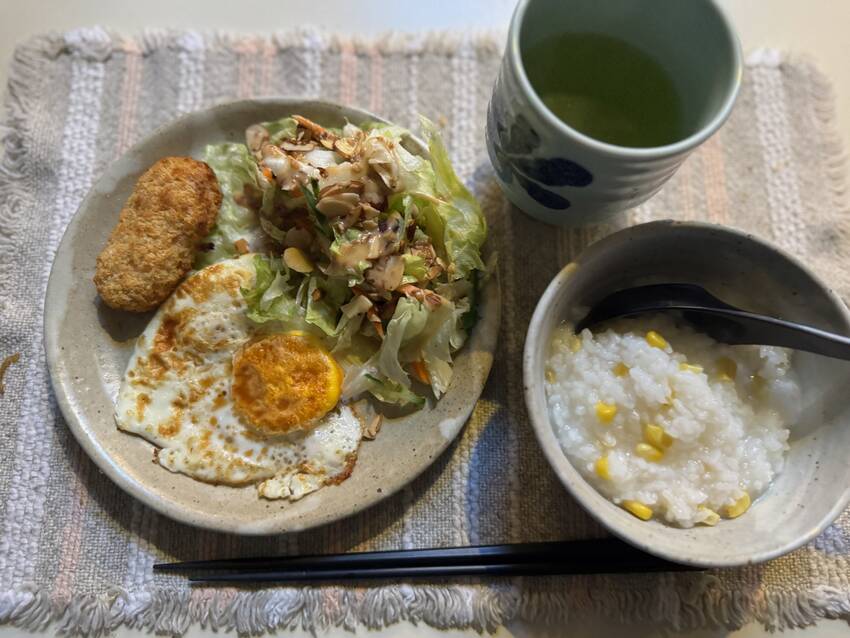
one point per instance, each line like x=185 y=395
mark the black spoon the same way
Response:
x=717 y=319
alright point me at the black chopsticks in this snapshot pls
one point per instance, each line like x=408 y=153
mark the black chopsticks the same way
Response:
x=527 y=559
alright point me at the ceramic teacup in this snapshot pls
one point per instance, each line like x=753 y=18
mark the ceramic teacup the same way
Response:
x=561 y=176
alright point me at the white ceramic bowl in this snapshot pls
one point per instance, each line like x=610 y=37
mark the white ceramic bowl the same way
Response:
x=813 y=489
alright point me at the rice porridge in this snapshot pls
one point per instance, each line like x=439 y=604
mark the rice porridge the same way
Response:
x=666 y=422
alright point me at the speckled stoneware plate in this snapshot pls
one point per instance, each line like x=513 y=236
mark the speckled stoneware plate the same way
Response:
x=814 y=486
x=88 y=346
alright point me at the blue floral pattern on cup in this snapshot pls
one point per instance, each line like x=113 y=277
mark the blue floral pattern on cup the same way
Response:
x=512 y=146
x=552 y=171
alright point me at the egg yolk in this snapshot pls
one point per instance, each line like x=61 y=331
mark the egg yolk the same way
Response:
x=285 y=382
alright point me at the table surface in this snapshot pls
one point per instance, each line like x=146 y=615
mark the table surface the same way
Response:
x=816 y=29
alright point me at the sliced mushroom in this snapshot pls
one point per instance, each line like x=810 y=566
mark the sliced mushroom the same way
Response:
x=369 y=212
x=352 y=218
x=338 y=205
x=386 y=274
x=350 y=255
x=386 y=239
x=298 y=238
x=373 y=191
x=382 y=161
x=255 y=136
x=288 y=171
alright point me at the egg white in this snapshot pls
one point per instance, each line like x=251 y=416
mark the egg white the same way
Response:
x=176 y=393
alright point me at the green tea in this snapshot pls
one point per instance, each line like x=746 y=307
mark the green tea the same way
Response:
x=606 y=89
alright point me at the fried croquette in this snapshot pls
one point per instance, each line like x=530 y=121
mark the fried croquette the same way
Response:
x=172 y=208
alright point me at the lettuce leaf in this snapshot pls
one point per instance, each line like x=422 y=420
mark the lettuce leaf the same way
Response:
x=282 y=129
x=234 y=167
x=407 y=322
x=470 y=317
x=322 y=311
x=450 y=214
x=341 y=266
x=433 y=347
x=415 y=268
x=388 y=391
x=350 y=321
x=311 y=196
x=270 y=298
x=267 y=213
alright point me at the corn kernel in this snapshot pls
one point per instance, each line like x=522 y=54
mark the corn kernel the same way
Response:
x=669 y=402
x=601 y=467
x=649 y=452
x=712 y=518
x=575 y=343
x=655 y=435
x=726 y=369
x=738 y=507
x=550 y=375
x=687 y=367
x=638 y=509
x=656 y=340
x=621 y=369
x=605 y=412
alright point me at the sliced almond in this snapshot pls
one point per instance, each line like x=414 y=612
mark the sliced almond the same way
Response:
x=255 y=136
x=297 y=148
x=241 y=246
x=428 y=297
x=352 y=218
x=347 y=147
x=310 y=125
x=325 y=137
x=369 y=211
x=338 y=205
x=373 y=428
x=354 y=186
x=298 y=260
x=333 y=189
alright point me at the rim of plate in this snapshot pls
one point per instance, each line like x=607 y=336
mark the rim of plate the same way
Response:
x=484 y=336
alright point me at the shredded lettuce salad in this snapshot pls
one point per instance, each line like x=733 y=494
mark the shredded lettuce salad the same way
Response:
x=373 y=249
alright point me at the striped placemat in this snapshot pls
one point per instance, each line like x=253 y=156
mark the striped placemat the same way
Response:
x=77 y=551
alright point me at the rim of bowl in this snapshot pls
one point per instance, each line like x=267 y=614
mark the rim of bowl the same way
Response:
x=570 y=477
x=629 y=152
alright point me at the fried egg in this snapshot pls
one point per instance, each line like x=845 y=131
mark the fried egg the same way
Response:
x=231 y=402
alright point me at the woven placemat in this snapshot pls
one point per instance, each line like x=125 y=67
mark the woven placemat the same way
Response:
x=76 y=550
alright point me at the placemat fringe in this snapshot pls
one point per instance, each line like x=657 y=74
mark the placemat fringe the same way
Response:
x=173 y=612
x=86 y=605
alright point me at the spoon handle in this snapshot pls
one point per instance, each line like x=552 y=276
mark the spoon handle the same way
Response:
x=741 y=327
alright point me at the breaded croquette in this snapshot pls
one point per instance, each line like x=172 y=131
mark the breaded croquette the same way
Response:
x=172 y=208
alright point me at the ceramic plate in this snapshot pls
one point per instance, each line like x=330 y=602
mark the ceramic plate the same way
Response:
x=88 y=346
